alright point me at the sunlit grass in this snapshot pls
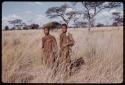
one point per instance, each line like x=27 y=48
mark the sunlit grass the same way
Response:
x=101 y=49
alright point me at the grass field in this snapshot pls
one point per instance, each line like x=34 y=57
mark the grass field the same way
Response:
x=101 y=49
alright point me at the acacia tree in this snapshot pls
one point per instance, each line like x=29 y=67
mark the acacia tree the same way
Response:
x=117 y=19
x=60 y=11
x=91 y=9
x=16 y=23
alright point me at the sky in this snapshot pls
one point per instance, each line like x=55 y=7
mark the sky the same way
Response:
x=34 y=12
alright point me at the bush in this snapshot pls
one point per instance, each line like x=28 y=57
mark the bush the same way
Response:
x=114 y=24
x=52 y=25
x=100 y=25
x=6 y=28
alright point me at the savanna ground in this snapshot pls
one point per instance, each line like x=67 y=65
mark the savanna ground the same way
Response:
x=101 y=49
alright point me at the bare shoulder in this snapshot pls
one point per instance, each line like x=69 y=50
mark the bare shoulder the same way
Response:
x=69 y=34
x=61 y=34
x=52 y=36
x=43 y=38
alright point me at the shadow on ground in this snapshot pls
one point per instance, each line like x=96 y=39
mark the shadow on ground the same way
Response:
x=76 y=65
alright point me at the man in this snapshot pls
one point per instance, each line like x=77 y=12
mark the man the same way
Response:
x=66 y=42
x=49 y=46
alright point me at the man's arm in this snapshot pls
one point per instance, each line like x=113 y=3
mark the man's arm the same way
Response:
x=71 y=40
x=55 y=48
x=43 y=40
x=55 y=45
x=60 y=41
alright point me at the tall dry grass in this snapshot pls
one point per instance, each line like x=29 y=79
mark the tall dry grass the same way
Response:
x=101 y=49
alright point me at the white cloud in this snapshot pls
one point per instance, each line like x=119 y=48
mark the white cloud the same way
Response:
x=34 y=3
x=14 y=16
x=109 y=13
x=105 y=16
x=38 y=3
x=38 y=19
x=106 y=13
x=91 y=11
x=106 y=3
x=121 y=13
x=78 y=16
x=41 y=19
x=5 y=19
x=11 y=17
x=69 y=10
x=112 y=10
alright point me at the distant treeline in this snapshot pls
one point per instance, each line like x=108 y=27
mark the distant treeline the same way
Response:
x=54 y=25
x=84 y=18
x=27 y=27
x=51 y=25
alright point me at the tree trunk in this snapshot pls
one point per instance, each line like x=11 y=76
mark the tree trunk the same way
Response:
x=67 y=24
x=89 y=24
